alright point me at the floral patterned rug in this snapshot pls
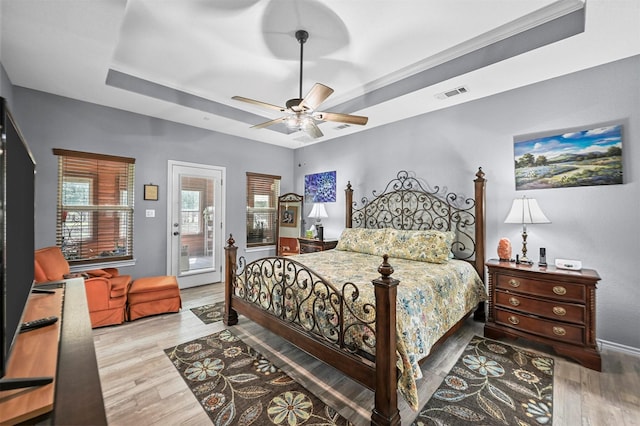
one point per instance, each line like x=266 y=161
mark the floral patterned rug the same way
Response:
x=493 y=384
x=209 y=313
x=236 y=385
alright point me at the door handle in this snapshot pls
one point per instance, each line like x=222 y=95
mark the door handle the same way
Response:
x=176 y=233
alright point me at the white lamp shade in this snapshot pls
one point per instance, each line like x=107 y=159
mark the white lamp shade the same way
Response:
x=526 y=210
x=318 y=211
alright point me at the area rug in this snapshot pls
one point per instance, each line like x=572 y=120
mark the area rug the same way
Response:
x=236 y=385
x=209 y=313
x=493 y=383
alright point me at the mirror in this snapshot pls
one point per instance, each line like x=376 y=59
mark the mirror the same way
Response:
x=289 y=224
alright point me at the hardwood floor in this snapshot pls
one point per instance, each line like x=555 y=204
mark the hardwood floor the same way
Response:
x=141 y=386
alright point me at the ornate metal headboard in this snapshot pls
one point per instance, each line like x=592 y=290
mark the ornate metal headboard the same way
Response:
x=406 y=204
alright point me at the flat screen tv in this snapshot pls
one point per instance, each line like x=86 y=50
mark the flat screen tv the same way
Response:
x=17 y=213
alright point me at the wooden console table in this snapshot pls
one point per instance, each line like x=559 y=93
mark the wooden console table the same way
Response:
x=75 y=396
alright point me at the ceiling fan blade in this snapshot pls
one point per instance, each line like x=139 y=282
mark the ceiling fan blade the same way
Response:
x=268 y=123
x=313 y=130
x=317 y=95
x=259 y=103
x=342 y=118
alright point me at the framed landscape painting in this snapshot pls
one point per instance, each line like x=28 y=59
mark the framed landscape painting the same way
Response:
x=578 y=158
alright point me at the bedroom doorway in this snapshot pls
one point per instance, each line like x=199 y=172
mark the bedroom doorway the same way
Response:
x=195 y=223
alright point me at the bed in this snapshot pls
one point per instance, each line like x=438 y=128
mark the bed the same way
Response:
x=371 y=326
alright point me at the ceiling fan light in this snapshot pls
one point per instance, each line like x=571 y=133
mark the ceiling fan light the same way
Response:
x=306 y=121
x=292 y=122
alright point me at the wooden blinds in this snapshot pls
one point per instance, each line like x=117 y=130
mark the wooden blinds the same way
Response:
x=95 y=206
x=262 y=205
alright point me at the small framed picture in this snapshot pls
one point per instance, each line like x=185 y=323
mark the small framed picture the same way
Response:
x=289 y=217
x=151 y=192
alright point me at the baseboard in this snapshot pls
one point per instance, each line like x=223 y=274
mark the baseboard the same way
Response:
x=603 y=344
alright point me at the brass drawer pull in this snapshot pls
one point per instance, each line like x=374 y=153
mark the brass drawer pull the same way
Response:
x=514 y=320
x=560 y=311
x=559 y=290
x=559 y=331
x=513 y=301
x=514 y=283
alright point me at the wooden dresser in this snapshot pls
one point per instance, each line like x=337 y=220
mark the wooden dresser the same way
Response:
x=544 y=304
x=308 y=245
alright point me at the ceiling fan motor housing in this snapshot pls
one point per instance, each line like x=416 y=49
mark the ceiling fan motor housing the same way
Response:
x=291 y=103
x=302 y=36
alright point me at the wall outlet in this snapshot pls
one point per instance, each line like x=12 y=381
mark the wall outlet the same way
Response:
x=151 y=213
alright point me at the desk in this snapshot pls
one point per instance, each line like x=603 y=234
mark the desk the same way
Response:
x=76 y=391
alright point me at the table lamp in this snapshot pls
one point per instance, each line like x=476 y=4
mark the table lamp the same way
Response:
x=318 y=212
x=525 y=211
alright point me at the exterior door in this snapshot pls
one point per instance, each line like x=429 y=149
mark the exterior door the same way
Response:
x=195 y=223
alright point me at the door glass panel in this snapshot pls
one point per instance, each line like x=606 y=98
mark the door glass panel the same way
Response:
x=196 y=224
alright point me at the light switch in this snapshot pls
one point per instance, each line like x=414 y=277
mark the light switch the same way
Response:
x=151 y=213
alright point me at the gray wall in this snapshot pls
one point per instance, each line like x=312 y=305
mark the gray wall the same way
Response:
x=598 y=225
x=49 y=121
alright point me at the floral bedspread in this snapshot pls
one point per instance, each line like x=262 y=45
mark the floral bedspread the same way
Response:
x=431 y=299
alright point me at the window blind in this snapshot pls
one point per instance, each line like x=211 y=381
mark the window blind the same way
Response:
x=262 y=196
x=95 y=206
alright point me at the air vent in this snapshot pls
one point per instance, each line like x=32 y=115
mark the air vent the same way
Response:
x=453 y=92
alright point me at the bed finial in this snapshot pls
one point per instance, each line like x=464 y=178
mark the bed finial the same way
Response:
x=480 y=174
x=348 y=193
x=231 y=241
x=385 y=267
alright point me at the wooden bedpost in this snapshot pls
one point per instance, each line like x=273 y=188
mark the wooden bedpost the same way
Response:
x=480 y=185
x=385 y=411
x=348 y=192
x=230 y=316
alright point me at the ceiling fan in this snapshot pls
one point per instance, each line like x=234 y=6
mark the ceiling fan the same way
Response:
x=301 y=113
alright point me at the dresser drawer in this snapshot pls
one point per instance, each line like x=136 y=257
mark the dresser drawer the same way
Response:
x=556 y=290
x=569 y=312
x=309 y=248
x=568 y=333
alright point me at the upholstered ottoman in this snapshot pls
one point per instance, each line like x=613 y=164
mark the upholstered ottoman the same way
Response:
x=153 y=296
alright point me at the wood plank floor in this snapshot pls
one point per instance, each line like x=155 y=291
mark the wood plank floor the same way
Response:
x=141 y=386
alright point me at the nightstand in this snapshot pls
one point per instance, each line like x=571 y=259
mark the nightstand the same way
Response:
x=552 y=306
x=308 y=245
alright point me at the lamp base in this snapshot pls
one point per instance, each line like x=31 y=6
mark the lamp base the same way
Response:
x=524 y=260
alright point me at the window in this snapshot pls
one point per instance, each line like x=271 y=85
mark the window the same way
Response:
x=77 y=192
x=262 y=201
x=190 y=212
x=95 y=206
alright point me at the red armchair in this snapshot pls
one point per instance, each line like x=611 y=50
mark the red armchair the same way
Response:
x=288 y=246
x=106 y=289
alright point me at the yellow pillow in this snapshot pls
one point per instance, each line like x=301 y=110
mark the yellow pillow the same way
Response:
x=361 y=240
x=422 y=245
